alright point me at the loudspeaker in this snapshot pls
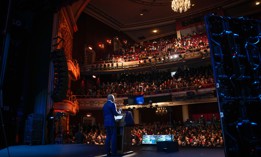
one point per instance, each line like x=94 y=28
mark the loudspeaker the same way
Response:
x=60 y=75
x=167 y=146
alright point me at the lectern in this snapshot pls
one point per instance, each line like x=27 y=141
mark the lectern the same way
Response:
x=123 y=134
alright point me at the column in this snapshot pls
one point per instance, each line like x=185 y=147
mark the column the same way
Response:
x=178 y=34
x=136 y=116
x=185 y=113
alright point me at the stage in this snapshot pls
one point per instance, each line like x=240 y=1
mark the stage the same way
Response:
x=83 y=150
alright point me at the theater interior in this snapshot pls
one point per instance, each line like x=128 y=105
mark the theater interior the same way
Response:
x=190 y=77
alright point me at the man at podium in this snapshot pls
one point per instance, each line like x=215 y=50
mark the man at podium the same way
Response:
x=109 y=113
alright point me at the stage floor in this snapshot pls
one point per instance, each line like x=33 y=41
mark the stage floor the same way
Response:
x=83 y=150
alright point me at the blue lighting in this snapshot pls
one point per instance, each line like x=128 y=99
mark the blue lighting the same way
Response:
x=139 y=100
x=253 y=123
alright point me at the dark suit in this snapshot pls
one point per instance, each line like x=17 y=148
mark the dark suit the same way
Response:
x=109 y=111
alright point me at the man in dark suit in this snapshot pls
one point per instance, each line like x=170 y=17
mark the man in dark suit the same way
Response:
x=109 y=111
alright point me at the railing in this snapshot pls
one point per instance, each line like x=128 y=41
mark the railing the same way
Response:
x=145 y=62
x=178 y=98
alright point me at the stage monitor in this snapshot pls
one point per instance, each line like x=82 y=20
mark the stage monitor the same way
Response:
x=149 y=139
x=153 y=139
x=161 y=138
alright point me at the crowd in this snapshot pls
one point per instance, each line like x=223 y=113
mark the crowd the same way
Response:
x=157 y=51
x=160 y=47
x=153 y=81
x=198 y=133
x=150 y=82
x=189 y=133
x=186 y=134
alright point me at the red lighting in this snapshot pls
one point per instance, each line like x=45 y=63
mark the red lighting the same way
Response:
x=108 y=41
x=101 y=45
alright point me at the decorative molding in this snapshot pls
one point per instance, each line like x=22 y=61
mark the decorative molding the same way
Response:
x=74 y=69
x=67 y=106
x=112 y=22
x=65 y=31
x=78 y=8
x=202 y=96
x=71 y=19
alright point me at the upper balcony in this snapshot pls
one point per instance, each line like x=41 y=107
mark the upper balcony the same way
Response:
x=159 y=62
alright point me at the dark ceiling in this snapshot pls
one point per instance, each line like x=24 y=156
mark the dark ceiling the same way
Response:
x=124 y=15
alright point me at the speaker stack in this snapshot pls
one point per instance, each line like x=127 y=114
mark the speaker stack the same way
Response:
x=61 y=77
x=235 y=45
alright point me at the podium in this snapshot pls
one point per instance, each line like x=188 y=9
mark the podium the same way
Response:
x=123 y=135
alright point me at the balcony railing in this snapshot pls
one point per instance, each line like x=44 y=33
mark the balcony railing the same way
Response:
x=147 y=62
x=179 y=97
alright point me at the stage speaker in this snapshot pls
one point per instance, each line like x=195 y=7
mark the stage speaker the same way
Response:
x=167 y=146
x=61 y=76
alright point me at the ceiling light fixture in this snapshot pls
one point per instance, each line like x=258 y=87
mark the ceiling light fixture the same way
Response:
x=180 y=5
x=155 y=31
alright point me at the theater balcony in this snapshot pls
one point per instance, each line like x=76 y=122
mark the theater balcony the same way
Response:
x=109 y=67
x=188 y=97
x=70 y=106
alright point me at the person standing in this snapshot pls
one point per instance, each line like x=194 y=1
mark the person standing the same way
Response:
x=109 y=111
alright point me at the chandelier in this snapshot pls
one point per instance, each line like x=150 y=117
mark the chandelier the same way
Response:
x=180 y=5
